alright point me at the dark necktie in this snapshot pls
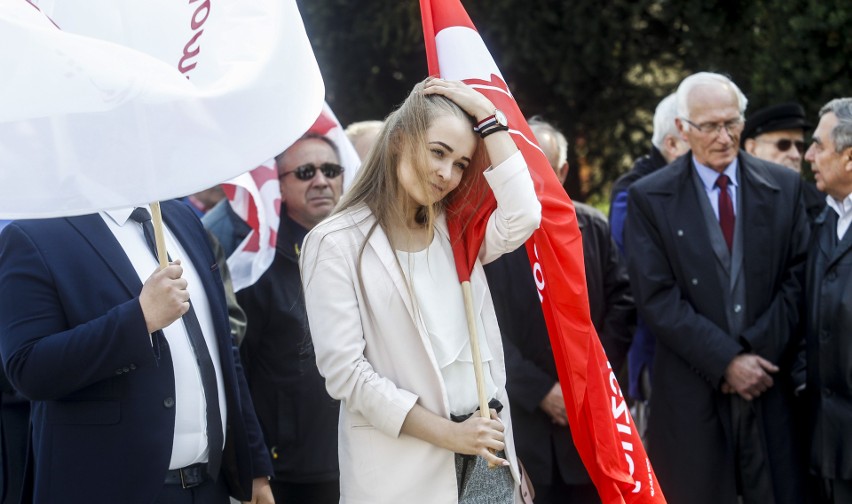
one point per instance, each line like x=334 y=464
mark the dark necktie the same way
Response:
x=831 y=225
x=726 y=210
x=215 y=437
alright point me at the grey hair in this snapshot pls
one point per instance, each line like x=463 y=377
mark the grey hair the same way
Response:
x=356 y=129
x=841 y=135
x=664 y=120
x=702 y=79
x=537 y=123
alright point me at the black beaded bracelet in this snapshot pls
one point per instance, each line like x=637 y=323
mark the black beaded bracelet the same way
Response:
x=493 y=129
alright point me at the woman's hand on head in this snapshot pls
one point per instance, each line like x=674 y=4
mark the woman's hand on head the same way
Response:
x=480 y=436
x=468 y=99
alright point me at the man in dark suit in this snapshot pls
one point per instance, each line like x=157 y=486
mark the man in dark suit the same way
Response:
x=829 y=312
x=129 y=404
x=716 y=244
x=542 y=437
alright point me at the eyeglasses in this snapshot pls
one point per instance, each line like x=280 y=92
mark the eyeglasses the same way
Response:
x=784 y=144
x=734 y=126
x=309 y=171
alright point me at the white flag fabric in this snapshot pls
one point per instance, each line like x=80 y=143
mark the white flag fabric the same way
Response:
x=256 y=198
x=112 y=103
x=328 y=126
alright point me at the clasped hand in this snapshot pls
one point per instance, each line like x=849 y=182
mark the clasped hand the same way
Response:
x=749 y=376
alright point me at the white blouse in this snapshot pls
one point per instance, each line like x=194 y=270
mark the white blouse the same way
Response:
x=440 y=303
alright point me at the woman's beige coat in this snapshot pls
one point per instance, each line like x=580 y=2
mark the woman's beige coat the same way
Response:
x=376 y=356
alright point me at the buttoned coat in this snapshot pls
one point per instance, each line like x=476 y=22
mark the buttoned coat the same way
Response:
x=678 y=291
x=74 y=341
x=829 y=349
x=376 y=356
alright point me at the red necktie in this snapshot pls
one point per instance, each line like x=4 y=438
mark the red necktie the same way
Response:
x=726 y=210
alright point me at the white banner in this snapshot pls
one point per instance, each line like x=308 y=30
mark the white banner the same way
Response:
x=112 y=103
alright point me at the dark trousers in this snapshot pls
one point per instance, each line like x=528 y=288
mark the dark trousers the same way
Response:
x=559 y=492
x=325 y=492
x=754 y=481
x=208 y=492
x=14 y=434
x=837 y=491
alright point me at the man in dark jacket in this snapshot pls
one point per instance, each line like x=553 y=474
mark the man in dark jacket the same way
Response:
x=542 y=437
x=829 y=311
x=298 y=417
x=716 y=245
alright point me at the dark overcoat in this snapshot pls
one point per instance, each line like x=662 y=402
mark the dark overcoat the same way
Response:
x=680 y=295
x=829 y=349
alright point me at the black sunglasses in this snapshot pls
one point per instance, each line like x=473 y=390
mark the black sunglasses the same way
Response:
x=784 y=145
x=308 y=171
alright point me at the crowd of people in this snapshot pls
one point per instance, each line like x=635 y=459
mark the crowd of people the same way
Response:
x=719 y=286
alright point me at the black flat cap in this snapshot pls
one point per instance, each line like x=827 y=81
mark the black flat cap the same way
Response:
x=775 y=118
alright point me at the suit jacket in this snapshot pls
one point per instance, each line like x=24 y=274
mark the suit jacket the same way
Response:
x=530 y=367
x=377 y=357
x=75 y=342
x=829 y=349
x=674 y=277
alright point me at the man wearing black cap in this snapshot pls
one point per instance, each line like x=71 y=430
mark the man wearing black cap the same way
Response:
x=777 y=134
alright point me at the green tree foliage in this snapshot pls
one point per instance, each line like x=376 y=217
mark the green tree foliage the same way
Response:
x=596 y=68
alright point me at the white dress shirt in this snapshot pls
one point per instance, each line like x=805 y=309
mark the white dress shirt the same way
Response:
x=844 y=213
x=190 y=439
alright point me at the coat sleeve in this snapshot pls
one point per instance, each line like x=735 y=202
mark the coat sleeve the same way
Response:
x=518 y=211
x=334 y=315
x=661 y=302
x=43 y=357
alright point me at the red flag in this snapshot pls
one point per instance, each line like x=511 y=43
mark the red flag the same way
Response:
x=603 y=431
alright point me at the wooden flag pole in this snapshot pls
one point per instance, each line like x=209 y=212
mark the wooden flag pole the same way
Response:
x=484 y=411
x=159 y=237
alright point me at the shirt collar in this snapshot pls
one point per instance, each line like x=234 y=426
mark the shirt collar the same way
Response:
x=841 y=207
x=121 y=215
x=709 y=175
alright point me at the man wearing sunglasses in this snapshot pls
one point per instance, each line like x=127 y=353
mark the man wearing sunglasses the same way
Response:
x=776 y=133
x=298 y=418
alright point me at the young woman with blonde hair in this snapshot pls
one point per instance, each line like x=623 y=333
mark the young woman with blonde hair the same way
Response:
x=386 y=311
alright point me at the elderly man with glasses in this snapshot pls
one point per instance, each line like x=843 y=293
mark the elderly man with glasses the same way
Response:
x=298 y=418
x=777 y=134
x=716 y=243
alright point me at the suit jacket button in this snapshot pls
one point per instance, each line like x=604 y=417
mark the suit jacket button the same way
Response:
x=832 y=276
x=169 y=402
x=680 y=232
x=694 y=281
